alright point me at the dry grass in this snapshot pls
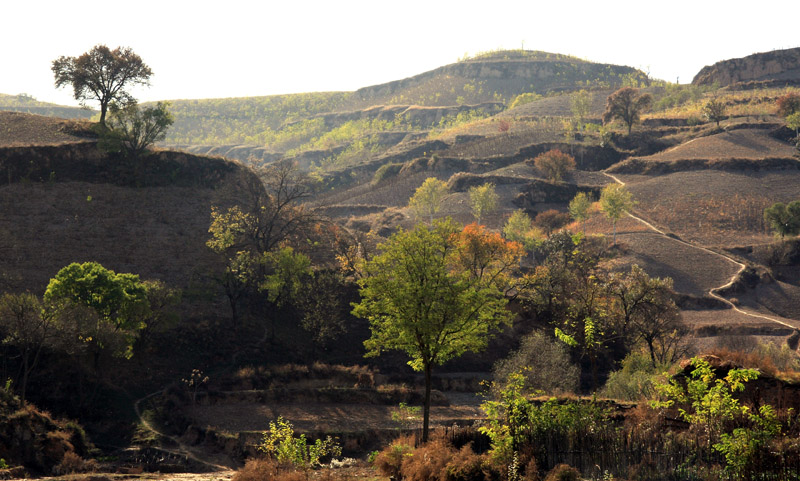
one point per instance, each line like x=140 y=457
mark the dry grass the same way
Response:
x=714 y=208
x=758 y=102
x=736 y=144
x=20 y=129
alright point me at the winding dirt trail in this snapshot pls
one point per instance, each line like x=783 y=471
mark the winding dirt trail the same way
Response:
x=714 y=292
x=182 y=448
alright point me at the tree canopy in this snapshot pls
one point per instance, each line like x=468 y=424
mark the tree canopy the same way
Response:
x=626 y=104
x=483 y=200
x=784 y=219
x=133 y=129
x=427 y=199
x=117 y=301
x=436 y=292
x=615 y=202
x=102 y=74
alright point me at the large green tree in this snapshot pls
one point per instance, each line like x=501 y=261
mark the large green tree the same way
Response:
x=102 y=74
x=436 y=292
x=626 y=104
x=99 y=307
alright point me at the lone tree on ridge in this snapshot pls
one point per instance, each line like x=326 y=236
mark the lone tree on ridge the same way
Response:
x=102 y=74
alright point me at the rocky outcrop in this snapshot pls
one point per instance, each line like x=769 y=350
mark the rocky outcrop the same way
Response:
x=775 y=65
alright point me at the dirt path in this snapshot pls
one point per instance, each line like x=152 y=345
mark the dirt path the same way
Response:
x=714 y=292
x=181 y=448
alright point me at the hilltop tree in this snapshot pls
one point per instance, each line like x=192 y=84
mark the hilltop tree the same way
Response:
x=435 y=293
x=788 y=104
x=784 y=219
x=427 y=200
x=483 y=200
x=579 y=208
x=102 y=74
x=615 y=202
x=554 y=164
x=714 y=110
x=626 y=104
x=133 y=129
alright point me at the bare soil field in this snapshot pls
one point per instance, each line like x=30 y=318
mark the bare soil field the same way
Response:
x=712 y=207
x=693 y=270
x=20 y=129
x=735 y=144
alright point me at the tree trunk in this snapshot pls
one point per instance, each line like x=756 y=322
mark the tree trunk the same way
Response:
x=426 y=409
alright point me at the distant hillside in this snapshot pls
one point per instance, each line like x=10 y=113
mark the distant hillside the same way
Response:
x=286 y=122
x=499 y=76
x=780 y=65
x=27 y=104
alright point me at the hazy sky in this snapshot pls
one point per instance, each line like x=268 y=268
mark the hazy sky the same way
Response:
x=234 y=48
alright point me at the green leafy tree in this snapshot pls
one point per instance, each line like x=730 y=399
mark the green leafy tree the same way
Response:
x=714 y=110
x=784 y=219
x=435 y=293
x=102 y=74
x=710 y=404
x=793 y=122
x=579 y=208
x=116 y=304
x=132 y=130
x=554 y=164
x=615 y=202
x=519 y=228
x=580 y=106
x=627 y=105
x=29 y=328
x=483 y=200
x=427 y=199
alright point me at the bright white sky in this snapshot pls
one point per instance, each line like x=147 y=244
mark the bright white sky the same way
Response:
x=235 y=48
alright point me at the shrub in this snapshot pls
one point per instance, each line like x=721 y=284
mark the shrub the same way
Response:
x=524 y=98
x=551 y=370
x=551 y=220
x=428 y=462
x=465 y=465
x=635 y=381
x=390 y=459
x=554 y=164
x=280 y=443
x=387 y=171
x=563 y=472
x=257 y=470
x=73 y=463
x=788 y=104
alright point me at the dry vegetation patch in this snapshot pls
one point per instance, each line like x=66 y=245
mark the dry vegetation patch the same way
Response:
x=735 y=144
x=19 y=129
x=711 y=207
